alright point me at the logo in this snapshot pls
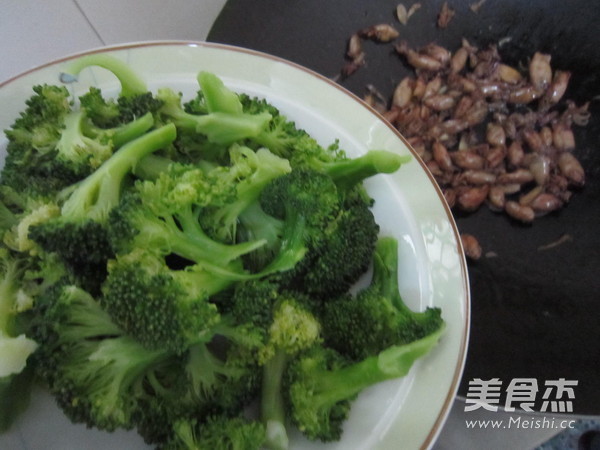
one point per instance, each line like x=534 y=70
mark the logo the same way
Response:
x=523 y=393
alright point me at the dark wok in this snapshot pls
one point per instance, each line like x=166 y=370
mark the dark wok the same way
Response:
x=534 y=313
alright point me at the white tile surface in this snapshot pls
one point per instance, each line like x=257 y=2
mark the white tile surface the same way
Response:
x=134 y=20
x=33 y=32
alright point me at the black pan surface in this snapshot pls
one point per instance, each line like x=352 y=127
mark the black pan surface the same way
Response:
x=534 y=311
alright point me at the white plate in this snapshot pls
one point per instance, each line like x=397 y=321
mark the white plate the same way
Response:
x=400 y=414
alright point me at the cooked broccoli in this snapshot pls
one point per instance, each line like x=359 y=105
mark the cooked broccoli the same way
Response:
x=39 y=124
x=160 y=306
x=164 y=215
x=79 y=233
x=293 y=329
x=219 y=127
x=178 y=268
x=282 y=137
x=377 y=315
x=320 y=228
x=95 y=371
x=306 y=202
x=249 y=172
x=321 y=384
x=107 y=113
x=217 y=433
x=15 y=346
x=285 y=139
x=32 y=160
x=131 y=84
x=23 y=278
x=76 y=150
x=164 y=308
x=119 y=134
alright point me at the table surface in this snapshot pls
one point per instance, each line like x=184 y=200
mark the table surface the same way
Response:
x=35 y=32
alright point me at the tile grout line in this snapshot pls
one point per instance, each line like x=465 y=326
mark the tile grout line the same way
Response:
x=87 y=19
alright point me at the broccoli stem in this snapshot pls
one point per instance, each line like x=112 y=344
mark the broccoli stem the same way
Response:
x=122 y=134
x=206 y=248
x=151 y=166
x=131 y=83
x=332 y=386
x=97 y=194
x=348 y=173
x=292 y=248
x=385 y=276
x=225 y=128
x=273 y=413
x=217 y=96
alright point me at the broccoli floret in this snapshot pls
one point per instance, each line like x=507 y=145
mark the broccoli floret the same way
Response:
x=320 y=228
x=350 y=172
x=32 y=160
x=249 y=172
x=96 y=372
x=75 y=149
x=369 y=337
x=219 y=127
x=208 y=382
x=285 y=139
x=164 y=308
x=108 y=113
x=217 y=433
x=170 y=307
x=164 y=215
x=15 y=346
x=39 y=125
x=351 y=238
x=159 y=306
x=102 y=112
x=79 y=234
x=321 y=384
x=23 y=278
x=281 y=136
x=293 y=329
x=377 y=315
x=306 y=202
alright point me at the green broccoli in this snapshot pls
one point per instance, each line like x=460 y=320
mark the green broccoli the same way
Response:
x=131 y=84
x=164 y=215
x=165 y=308
x=377 y=315
x=306 y=202
x=95 y=371
x=107 y=113
x=248 y=172
x=119 y=135
x=79 y=234
x=320 y=228
x=217 y=433
x=321 y=384
x=32 y=160
x=293 y=329
x=219 y=127
x=166 y=266
x=15 y=347
x=284 y=138
x=160 y=306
